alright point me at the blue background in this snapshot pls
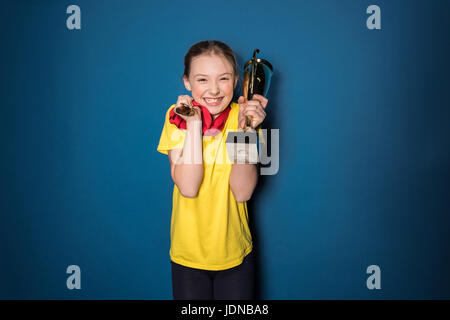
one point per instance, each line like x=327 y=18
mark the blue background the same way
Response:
x=364 y=145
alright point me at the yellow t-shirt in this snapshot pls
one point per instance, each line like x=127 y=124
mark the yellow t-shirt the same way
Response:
x=209 y=231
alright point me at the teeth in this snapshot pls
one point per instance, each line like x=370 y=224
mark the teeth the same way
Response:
x=213 y=99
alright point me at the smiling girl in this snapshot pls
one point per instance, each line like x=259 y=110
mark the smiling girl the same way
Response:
x=211 y=242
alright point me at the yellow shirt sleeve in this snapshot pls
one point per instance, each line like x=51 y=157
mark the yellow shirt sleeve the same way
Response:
x=171 y=136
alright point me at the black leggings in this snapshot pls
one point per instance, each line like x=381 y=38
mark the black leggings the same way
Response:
x=237 y=283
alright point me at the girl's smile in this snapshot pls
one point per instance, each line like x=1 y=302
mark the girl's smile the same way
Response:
x=213 y=102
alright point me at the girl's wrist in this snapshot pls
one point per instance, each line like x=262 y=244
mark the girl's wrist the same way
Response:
x=193 y=124
x=192 y=149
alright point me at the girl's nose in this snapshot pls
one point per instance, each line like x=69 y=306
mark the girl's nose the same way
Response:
x=214 y=88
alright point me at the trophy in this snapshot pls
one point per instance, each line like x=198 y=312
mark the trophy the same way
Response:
x=242 y=145
x=257 y=76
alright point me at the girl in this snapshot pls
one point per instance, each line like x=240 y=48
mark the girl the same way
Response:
x=210 y=237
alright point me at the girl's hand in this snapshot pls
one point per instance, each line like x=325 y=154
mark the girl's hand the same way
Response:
x=197 y=111
x=254 y=108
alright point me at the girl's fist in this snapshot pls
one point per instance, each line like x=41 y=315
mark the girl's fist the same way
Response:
x=185 y=99
x=253 y=108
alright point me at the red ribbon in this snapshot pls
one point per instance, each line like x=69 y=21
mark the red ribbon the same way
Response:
x=210 y=126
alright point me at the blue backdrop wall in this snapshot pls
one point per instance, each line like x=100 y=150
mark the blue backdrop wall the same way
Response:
x=364 y=145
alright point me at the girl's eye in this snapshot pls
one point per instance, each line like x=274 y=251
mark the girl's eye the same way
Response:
x=202 y=80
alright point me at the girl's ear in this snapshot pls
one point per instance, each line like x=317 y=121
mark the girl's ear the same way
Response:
x=186 y=83
x=236 y=77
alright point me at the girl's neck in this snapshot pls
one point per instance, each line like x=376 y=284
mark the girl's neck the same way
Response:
x=214 y=116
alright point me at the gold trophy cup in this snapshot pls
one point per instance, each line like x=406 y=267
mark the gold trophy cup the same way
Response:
x=257 y=76
x=242 y=145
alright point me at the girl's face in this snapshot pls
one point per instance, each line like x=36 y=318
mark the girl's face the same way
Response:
x=211 y=81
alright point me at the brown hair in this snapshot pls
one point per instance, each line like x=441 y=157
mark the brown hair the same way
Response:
x=209 y=46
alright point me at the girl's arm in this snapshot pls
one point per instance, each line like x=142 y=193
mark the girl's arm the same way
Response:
x=186 y=164
x=243 y=180
x=244 y=176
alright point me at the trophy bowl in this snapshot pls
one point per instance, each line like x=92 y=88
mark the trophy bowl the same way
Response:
x=257 y=77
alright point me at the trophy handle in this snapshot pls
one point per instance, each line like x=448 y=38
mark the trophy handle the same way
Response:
x=248 y=87
x=246 y=83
